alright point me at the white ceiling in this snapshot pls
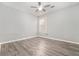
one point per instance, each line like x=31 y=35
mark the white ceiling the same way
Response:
x=25 y=6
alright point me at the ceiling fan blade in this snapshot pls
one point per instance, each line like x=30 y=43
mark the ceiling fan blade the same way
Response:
x=52 y=6
x=39 y=3
x=47 y=5
x=33 y=7
x=36 y=10
x=44 y=10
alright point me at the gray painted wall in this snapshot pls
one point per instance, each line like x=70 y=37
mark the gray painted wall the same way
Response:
x=15 y=24
x=64 y=24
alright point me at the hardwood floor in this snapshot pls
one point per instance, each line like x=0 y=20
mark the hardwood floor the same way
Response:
x=39 y=47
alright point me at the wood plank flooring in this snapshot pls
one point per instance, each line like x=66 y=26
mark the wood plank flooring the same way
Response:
x=39 y=47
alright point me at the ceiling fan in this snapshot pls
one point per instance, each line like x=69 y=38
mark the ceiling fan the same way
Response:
x=41 y=7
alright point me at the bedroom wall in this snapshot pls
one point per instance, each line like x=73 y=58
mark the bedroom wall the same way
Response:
x=15 y=24
x=64 y=24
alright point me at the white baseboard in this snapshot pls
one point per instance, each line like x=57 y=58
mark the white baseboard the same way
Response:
x=18 y=39
x=59 y=39
x=42 y=37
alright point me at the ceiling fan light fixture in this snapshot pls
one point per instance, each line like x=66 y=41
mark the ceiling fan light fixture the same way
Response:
x=40 y=8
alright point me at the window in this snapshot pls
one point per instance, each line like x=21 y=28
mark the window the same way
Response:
x=43 y=24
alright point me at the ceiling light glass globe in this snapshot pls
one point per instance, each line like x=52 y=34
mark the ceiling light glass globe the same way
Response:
x=40 y=8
